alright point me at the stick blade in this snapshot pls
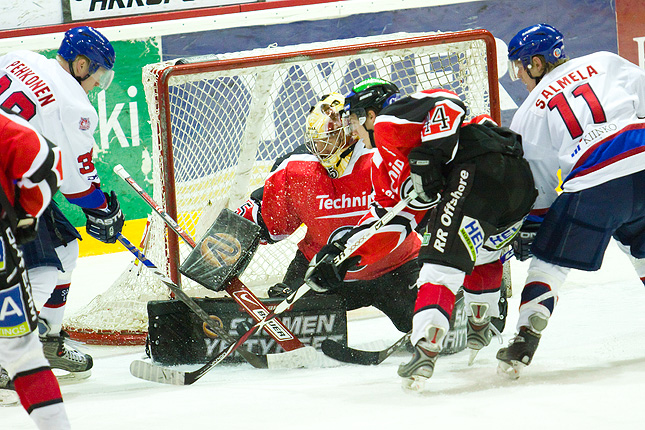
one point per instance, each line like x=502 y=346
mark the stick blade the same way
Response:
x=346 y=354
x=300 y=357
x=151 y=372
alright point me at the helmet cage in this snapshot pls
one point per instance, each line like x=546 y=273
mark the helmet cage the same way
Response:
x=327 y=133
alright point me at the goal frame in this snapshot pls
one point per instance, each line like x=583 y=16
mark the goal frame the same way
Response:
x=233 y=115
x=164 y=75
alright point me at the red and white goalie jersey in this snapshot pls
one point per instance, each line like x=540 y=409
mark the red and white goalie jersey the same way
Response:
x=576 y=120
x=27 y=164
x=54 y=103
x=432 y=118
x=300 y=191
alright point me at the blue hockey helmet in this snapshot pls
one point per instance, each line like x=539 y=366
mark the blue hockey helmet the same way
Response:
x=539 y=39
x=90 y=43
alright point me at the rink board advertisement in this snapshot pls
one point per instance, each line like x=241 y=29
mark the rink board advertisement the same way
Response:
x=124 y=135
x=95 y=9
x=177 y=336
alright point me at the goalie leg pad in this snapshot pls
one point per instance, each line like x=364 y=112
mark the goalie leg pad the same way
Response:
x=177 y=337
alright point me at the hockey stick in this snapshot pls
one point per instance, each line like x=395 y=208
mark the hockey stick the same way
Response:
x=236 y=289
x=151 y=372
x=254 y=359
x=346 y=354
x=374 y=228
x=293 y=297
x=301 y=356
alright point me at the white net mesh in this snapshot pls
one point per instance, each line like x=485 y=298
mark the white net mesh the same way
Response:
x=220 y=122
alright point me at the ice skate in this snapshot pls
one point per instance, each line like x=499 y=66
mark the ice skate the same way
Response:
x=521 y=348
x=62 y=355
x=479 y=330
x=8 y=395
x=417 y=371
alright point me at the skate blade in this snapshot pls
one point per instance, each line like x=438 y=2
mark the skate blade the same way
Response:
x=8 y=398
x=414 y=383
x=473 y=355
x=64 y=377
x=511 y=371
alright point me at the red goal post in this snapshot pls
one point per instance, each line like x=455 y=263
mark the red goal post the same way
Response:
x=220 y=121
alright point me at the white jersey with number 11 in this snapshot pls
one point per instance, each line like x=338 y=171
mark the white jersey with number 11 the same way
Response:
x=587 y=118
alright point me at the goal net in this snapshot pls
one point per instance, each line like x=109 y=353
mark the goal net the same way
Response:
x=220 y=121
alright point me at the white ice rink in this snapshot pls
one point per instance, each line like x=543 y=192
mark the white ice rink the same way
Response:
x=588 y=373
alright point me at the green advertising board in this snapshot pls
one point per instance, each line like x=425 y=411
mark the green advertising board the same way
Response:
x=123 y=135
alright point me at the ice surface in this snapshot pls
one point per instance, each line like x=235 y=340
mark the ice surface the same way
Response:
x=588 y=373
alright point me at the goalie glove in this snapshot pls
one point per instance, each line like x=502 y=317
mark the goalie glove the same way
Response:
x=323 y=275
x=425 y=172
x=524 y=239
x=104 y=225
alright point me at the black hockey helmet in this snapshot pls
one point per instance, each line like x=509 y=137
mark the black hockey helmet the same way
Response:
x=371 y=93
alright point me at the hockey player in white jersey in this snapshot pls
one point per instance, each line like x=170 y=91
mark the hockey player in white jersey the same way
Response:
x=52 y=94
x=586 y=117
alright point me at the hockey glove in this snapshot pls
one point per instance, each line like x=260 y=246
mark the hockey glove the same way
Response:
x=524 y=239
x=27 y=230
x=105 y=224
x=323 y=275
x=425 y=172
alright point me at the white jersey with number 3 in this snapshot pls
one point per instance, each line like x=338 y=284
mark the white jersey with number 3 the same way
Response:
x=585 y=117
x=54 y=103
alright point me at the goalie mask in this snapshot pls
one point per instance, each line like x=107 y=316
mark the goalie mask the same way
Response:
x=327 y=134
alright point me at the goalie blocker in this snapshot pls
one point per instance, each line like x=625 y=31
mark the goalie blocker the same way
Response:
x=224 y=251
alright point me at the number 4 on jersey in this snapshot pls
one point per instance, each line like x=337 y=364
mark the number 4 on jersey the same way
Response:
x=442 y=121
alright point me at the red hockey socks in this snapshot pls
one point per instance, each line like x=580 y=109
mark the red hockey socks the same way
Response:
x=433 y=296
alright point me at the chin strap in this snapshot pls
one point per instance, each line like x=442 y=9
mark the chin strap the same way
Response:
x=71 y=71
x=538 y=78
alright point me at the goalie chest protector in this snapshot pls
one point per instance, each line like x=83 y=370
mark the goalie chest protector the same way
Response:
x=177 y=336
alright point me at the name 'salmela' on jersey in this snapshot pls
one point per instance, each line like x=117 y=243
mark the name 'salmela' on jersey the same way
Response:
x=578 y=75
